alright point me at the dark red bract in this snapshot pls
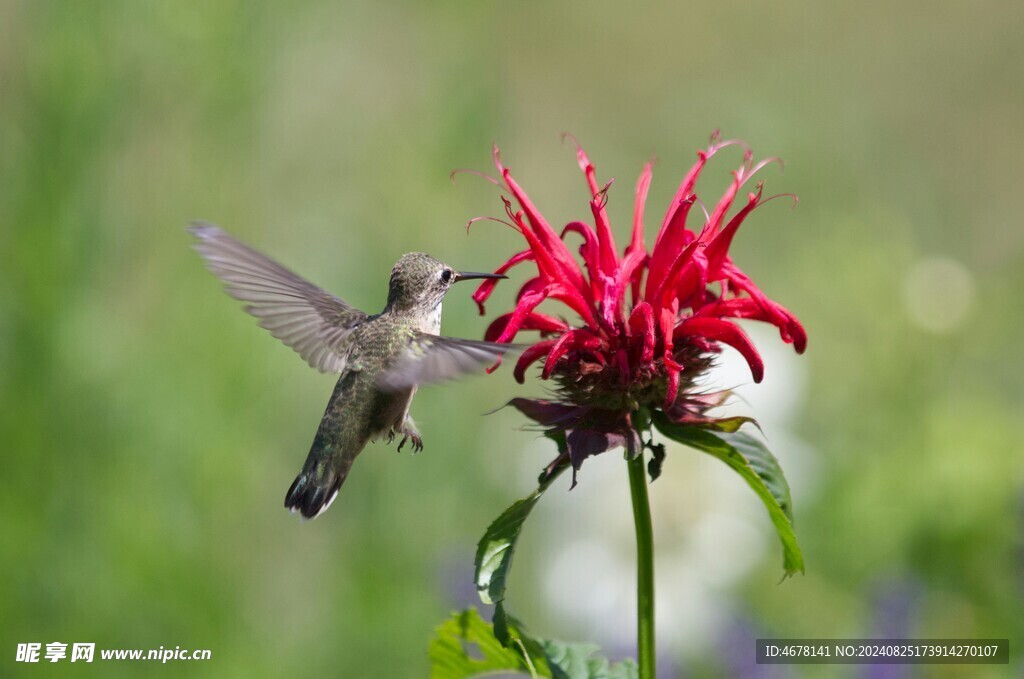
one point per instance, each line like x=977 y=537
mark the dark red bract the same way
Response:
x=650 y=321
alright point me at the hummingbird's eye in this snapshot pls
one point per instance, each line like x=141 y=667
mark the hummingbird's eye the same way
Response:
x=446 y=275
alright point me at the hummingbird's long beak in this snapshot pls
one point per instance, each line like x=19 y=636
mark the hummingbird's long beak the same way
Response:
x=470 y=275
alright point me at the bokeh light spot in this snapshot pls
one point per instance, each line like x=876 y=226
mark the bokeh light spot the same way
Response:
x=938 y=292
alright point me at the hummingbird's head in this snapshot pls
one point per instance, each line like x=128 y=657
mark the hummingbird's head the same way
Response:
x=419 y=282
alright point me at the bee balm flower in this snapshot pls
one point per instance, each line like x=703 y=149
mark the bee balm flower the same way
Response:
x=650 y=321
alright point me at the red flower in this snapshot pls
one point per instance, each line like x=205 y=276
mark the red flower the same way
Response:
x=651 y=321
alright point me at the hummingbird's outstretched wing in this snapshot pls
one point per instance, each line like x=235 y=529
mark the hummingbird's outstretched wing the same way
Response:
x=431 y=358
x=311 y=321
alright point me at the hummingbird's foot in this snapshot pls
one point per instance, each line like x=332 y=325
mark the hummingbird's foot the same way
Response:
x=409 y=432
x=417 y=442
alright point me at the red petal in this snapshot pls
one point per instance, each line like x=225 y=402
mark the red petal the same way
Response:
x=487 y=287
x=584 y=162
x=725 y=202
x=529 y=356
x=723 y=331
x=545 y=263
x=615 y=294
x=641 y=322
x=666 y=322
x=643 y=184
x=660 y=285
x=667 y=250
x=580 y=302
x=741 y=177
x=684 y=191
x=559 y=349
x=535 y=284
x=590 y=250
x=692 y=284
x=606 y=241
x=673 y=387
x=686 y=186
x=597 y=203
x=526 y=305
x=745 y=307
x=796 y=331
x=789 y=327
x=533 y=321
x=718 y=248
x=609 y=257
x=556 y=248
x=671 y=237
x=572 y=298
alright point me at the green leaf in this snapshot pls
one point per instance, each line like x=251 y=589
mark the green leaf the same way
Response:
x=727 y=424
x=577 y=661
x=496 y=547
x=758 y=467
x=465 y=646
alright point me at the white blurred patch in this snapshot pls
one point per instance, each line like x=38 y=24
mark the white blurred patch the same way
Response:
x=778 y=397
x=938 y=293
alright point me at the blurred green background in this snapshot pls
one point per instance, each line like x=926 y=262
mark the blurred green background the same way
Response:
x=149 y=429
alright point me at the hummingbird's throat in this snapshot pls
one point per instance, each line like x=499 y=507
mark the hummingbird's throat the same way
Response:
x=433 y=321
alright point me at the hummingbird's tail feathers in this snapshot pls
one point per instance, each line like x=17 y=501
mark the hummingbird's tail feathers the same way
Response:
x=313 y=491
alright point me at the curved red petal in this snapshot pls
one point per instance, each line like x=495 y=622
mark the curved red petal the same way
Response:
x=667 y=249
x=672 y=388
x=686 y=186
x=740 y=177
x=718 y=247
x=606 y=240
x=691 y=287
x=584 y=162
x=789 y=327
x=614 y=297
x=532 y=321
x=581 y=302
x=485 y=289
x=526 y=305
x=796 y=330
x=590 y=250
x=724 y=203
x=572 y=298
x=545 y=263
x=643 y=185
x=641 y=322
x=728 y=333
x=529 y=356
x=543 y=231
x=535 y=284
x=559 y=349
x=666 y=318
x=659 y=286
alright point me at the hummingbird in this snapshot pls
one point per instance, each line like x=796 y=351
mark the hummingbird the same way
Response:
x=381 y=358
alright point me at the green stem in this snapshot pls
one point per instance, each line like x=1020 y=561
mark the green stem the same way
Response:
x=644 y=566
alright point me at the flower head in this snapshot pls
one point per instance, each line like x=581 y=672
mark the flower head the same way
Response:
x=649 y=320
